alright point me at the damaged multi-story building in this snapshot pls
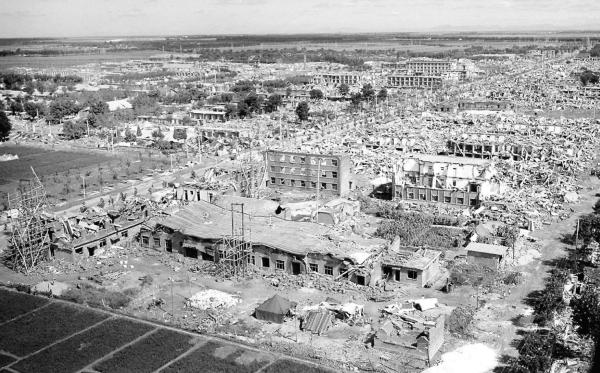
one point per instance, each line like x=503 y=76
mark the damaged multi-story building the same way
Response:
x=305 y=171
x=485 y=105
x=414 y=81
x=334 y=78
x=429 y=66
x=444 y=179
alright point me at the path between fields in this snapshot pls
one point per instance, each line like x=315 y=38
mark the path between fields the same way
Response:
x=9 y=361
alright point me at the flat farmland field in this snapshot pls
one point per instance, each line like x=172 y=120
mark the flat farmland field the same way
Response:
x=50 y=324
x=148 y=354
x=83 y=349
x=219 y=358
x=46 y=62
x=15 y=304
x=44 y=162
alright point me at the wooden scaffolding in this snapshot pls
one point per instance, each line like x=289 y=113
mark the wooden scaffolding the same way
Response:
x=235 y=250
x=29 y=243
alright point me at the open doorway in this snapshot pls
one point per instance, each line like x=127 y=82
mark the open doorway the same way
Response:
x=296 y=268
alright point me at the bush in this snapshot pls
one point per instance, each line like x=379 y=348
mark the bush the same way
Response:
x=460 y=319
x=98 y=297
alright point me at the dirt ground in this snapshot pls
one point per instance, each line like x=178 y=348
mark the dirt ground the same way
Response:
x=173 y=284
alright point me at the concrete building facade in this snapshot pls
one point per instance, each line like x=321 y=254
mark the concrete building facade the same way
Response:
x=444 y=179
x=303 y=171
x=414 y=81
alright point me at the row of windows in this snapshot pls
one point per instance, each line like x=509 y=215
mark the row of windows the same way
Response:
x=301 y=159
x=280 y=264
x=303 y=184
x=302 y=171
x=422 y=196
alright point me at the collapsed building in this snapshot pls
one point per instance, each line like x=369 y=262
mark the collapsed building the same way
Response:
x=415 y=341
x=201 y=230
x=445 y=179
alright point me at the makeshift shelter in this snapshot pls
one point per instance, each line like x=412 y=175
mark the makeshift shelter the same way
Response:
x=274 y=309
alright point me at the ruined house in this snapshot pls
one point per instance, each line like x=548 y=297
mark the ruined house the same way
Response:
x=414 y=341
x=452 y=180
x=418 y=267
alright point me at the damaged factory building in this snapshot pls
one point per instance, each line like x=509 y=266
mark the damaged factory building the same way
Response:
x=200 y=231
x=452 y=180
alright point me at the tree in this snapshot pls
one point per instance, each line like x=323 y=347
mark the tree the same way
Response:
x=72 y=130
x=186 y=121
x=138 y=131
x=316 y=94
x=367 y=91
x=145 y=104
x=273 y=103
x=230 y=111
x=586 y=316
x=344 y=89
x=355 y=100
x=129 y=136
x=5 y=126
x=96 y=105
x=180 y=133
x=243 y=109
x=34 y=109
x=16 y=106
x=254 y=102
x=302 y=110
x=61 y=108
x=157 y=134
x=382 y=94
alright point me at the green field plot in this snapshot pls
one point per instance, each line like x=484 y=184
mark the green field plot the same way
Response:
x=291 y=366
x=41 y=328
x=15 y=304
x=83 y=349
x=148 y=354
x=5 y=360
x=44 y=162
x=219 y=358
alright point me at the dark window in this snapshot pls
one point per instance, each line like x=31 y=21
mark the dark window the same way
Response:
x=334 y=162
x=266 y=263
x=145 y=241
x=272 y=180
x=313 y=267
x=279 y=264
x=313 y=184
x=434 y=197
x=334 y=174
x=302 y=159
x=282 y=181
x=124 y=234
x=460 y=200
x=169 y=245
x=329 y=270
x=102 y=243
x=412 y=274
x=302 y=183
x=447 y=199
x=293 y=182
x=334 y=186
x=156 y=242
x=410 y=195
x=422 y=196
x=323 y=185
x=473 y=188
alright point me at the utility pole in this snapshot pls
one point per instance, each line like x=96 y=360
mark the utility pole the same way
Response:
x=83 y=178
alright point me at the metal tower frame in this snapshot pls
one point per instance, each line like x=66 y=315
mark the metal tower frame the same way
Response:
x=29 y=243
x=234 y=250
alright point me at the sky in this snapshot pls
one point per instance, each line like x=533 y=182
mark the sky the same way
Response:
x=74 y=18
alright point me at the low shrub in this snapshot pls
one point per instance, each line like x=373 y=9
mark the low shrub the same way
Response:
x=460 y=319
x=99 y=297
